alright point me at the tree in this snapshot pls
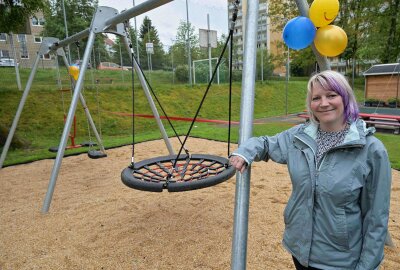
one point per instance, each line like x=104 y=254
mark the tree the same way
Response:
x=179 y=49
x=119 y=45
x=303 y=62
x=148 y=34
x=381 y=38
x=14 y=14
x=392 y=46
x=79 y=14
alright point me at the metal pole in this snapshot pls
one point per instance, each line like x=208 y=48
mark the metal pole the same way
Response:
x=150 y=100
x=241 y=214
x=398 y=84
x=136 y=38
x=194 y=73
x=188 y=44
x=218 y=75
x=172 y=64
x=262 y=64
x=209 y=46
x=322 y=60
x=15 y=62
x=120 y=59
x=68 y=123
x=66 y=31
x=19 y=111
x=287 y=82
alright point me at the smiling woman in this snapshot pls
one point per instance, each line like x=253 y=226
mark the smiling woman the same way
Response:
x=338 y=208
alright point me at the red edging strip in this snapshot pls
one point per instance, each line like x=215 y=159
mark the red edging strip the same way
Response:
x=178 y=118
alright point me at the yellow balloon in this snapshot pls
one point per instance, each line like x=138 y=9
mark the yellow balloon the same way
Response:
x=74 y=72
x=330 y=40
x=323 y=12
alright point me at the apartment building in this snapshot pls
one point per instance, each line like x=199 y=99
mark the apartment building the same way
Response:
x=26 y=45
x=266 y=38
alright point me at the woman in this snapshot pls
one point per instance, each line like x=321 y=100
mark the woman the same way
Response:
x=337 y=214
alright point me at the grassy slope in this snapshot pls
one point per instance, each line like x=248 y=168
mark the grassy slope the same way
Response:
x=41 y=122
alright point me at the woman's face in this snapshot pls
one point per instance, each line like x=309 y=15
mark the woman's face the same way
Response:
x=327 y=106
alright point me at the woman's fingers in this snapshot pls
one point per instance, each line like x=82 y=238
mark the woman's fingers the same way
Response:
x=238 y=163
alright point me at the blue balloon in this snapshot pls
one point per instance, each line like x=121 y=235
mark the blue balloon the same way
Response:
x=299 y=33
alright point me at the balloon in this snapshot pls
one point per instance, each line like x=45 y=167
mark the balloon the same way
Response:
x=330 y=40
x=323 y=12
x=74 y=71
x=298 y=33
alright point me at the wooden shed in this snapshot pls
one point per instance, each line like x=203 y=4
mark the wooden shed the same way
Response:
x=382 y=82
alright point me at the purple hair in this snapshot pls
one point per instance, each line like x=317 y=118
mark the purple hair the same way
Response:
x=334 y=81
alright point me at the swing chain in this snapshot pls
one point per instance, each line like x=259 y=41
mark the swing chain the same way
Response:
x=127 y=33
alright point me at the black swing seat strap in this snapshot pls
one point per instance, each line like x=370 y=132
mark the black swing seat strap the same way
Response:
x=189 y=173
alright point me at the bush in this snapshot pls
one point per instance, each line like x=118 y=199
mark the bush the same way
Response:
x=182 y=73
x=393 y=102
x=236 y=75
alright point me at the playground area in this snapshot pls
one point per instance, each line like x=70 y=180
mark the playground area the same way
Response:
x=96 y=222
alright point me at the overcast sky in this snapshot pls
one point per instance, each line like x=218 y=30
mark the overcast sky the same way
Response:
x=166 y=18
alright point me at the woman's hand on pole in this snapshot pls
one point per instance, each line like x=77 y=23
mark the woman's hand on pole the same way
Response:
x=238 y=163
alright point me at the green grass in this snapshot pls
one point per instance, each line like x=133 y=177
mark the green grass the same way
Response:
x=41 y=122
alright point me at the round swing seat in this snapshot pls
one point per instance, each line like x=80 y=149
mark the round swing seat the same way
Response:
x=95 y=154
x=190 y=173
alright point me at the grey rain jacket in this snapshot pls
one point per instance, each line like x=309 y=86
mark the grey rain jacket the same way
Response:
x=337 y=214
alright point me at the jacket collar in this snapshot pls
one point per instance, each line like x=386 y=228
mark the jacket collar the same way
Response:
x=357 y=134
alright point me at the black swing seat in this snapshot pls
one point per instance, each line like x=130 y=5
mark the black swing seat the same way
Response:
x=95 y=154
x=191 y=172
x=53 y=149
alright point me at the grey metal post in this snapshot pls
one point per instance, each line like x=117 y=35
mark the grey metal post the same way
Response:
x=194 y=73
x=15 y=62
x=188 y=44
x=241 y=215
x=120 y=60
x=19 y=111
x=150 y=100
x=209 y=46
x=322 y=60
x=66 y=30
x=287 y=81
x=68 y=123
x=136 y=38
x=87 y=112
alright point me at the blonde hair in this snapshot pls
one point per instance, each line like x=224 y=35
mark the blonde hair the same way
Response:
x=334 y=81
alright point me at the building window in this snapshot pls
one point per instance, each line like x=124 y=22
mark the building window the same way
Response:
x=35 y=21
x=3 y=37
x=21 y=38
x=38 y=22
x=46 y=56
x=37 y=39
x=22 y=48
x=4 y=54
x=24 y=52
